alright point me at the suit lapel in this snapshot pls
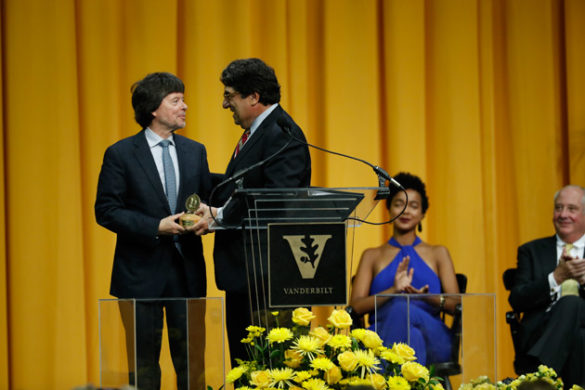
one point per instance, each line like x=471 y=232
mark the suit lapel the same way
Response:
x=549 y=257
x=250 y=144
x=248 y=147
x=144 y=157
x=188 y=162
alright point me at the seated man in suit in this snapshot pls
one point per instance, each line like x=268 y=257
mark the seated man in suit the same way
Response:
x=549 y=291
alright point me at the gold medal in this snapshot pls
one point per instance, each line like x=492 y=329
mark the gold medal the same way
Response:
x=191 y=205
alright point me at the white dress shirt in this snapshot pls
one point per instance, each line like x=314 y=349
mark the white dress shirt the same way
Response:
x=153 y=140
x=576 y=252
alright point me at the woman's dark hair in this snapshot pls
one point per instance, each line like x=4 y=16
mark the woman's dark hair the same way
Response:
x=412 y=182
x=148 y=93
x=251 y=75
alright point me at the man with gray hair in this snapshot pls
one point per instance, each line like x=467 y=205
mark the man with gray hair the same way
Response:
x=549 y=290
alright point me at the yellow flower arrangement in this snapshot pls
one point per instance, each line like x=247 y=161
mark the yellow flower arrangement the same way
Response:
x=544 y=375
x=331 y=358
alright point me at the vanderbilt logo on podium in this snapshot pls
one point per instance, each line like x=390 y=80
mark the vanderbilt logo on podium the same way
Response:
x=306 y=264
x=307 y=251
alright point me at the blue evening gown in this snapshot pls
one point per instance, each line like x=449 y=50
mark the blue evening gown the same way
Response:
x=429 y=336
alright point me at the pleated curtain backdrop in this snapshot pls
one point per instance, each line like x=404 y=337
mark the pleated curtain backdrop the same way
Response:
x=484 y=99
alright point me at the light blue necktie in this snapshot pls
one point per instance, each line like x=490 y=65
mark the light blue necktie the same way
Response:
x=170 y=179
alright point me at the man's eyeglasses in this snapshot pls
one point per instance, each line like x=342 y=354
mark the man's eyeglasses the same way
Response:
x=229 y=95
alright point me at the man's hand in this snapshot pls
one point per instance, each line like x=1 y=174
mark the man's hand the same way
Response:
x=569 y=268
x=202 y=227
x=169 y=225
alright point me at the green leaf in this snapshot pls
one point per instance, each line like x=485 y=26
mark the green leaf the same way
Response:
x=274 y=354
x=432 y=371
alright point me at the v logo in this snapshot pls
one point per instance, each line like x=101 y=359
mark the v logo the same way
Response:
x=307 y=251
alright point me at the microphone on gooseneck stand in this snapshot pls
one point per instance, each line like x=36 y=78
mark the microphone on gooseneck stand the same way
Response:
x=380 y=172
x=238 y=177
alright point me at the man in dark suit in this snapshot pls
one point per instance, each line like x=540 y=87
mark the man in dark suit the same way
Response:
x=252 y=93
x=143 y=184
x=549 y=291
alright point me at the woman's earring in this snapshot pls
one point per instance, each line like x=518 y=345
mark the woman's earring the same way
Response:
x=420 y=227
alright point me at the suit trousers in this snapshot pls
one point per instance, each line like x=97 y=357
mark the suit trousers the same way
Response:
x=561 y=345
x=149 y=316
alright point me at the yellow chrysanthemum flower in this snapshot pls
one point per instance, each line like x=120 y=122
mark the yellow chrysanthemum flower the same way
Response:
x=235 y=373
x=550 y=372
x=398 y=383
x=281 y=377
x=392 y=357
x=366 y=360
x=339 y=341
x=315 y=384
x=302 y=376
x=247 y=340
x=308 y=346
x=243 y=388
x=322 y=363
x=279 y=335
x=255 y=329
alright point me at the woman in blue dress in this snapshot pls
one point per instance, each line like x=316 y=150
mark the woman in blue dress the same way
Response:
x=407 y=265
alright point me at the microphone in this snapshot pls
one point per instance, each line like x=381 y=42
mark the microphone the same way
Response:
x=285 y=125
x=238 y=176
x=380 y=172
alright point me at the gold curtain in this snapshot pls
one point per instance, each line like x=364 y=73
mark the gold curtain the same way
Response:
x=484 y=99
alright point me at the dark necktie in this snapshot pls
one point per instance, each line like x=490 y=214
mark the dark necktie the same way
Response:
x=170 y=179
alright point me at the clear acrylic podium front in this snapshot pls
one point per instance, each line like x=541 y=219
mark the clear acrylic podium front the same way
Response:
x=401 y=317
x=205 y=344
